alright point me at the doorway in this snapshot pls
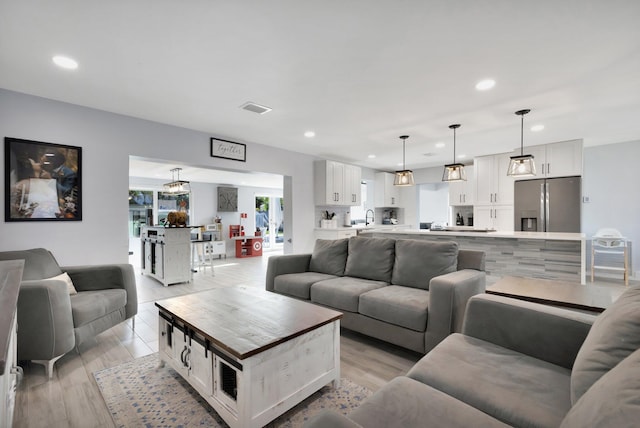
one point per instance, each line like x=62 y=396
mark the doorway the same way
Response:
x=270 y=221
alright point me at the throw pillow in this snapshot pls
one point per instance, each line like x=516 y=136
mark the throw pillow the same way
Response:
x=614 y=336
x=370 y=258
x=612 y=401
x=417 y=262
x=329 y=256
x=64 y=277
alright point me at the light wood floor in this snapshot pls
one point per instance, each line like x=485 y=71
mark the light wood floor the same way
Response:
x=72 y=399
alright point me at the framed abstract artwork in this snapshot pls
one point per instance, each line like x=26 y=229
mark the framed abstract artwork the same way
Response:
x=43 y=181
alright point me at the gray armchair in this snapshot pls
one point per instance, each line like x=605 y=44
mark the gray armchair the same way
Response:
x=52 y=322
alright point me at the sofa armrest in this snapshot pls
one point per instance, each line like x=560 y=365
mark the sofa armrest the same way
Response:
x=329 y=419
x=448 y=296
x=283 y=264
x=45 y=324
x=545 y=332
x=101 y=277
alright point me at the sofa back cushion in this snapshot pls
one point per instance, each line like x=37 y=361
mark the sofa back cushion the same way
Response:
x=329 y=256
x=370 y=258
x=612 y=401
x=614 y=336
x=418 y=261
x=39 y=263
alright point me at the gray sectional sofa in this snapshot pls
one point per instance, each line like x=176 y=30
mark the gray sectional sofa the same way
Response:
x=518 y=364
x=407 y=292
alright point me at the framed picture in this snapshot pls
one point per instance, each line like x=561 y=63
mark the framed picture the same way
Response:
x=42 y=181
x=228 y=150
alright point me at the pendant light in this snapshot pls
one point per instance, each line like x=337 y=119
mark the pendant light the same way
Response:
x=454 y=171
x=522 y=165
x=404 y=177
x=177 y=187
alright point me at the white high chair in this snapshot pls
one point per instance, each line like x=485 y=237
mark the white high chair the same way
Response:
x=609 y=242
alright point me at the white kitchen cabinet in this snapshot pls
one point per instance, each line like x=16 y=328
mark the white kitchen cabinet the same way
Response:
x=562 y=159
x=335 y=233
x=352 y=185
x=386 y=194
x=492 y=184
x=462 y=192
x=335 y=183
x=498 y=217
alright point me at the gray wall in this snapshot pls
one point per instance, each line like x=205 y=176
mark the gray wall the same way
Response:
x=107 y=141
x=611 y=181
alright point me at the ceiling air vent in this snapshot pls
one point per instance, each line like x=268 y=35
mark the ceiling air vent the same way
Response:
x=255 y=108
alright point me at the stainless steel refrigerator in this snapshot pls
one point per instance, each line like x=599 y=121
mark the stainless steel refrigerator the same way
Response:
x=548 y=204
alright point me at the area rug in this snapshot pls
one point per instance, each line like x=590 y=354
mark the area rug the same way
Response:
x=140 y=394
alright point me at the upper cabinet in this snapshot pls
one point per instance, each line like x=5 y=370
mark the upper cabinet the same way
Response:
x=493 y=185
x=462 y=192
x=562 y=159
x=386 y=194
x=353 y=185
x=337 y=183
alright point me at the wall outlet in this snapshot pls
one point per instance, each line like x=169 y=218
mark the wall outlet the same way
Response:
x=586 y=199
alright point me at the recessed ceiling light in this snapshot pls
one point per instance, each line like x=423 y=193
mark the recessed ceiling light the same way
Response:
x=485 y=84
x=65 y=62
x=371 y=156
x=462 y=156
x=537 y=128
x=309 y=134
x=440 y=144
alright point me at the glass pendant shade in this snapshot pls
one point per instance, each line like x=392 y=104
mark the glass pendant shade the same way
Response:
x=177 y=187
x=521 y=165
x=404 y=177
x=454 y=171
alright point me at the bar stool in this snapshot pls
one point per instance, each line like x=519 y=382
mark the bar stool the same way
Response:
x=201 y=255
x=610 y=244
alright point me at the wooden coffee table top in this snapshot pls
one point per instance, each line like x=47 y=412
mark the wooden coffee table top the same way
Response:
x=245 y=321
x=594 y=298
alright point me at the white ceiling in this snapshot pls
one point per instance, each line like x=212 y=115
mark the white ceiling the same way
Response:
x=359 y=73
x=162 y=171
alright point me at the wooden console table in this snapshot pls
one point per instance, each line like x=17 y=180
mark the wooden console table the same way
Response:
x=593 y=298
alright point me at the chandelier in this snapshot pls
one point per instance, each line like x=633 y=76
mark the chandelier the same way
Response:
x=177 y=187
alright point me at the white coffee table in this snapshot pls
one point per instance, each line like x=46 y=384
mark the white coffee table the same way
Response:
x=250 y=353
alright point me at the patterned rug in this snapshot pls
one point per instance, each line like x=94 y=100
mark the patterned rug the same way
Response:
x=140 y=394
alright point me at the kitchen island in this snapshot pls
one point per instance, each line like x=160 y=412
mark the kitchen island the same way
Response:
x=547 y=255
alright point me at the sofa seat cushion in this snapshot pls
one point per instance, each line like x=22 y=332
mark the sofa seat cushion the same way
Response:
x=370 y=258
x=612 y=401
x=87 y=306
x=417 y=262
x=298 y=284
x=343 y=293
x=329 y=256
x=614 y=335
x=402 y=306
x=406 y=403
x=510 y=386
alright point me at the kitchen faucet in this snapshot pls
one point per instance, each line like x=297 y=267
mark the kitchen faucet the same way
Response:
x=366 y=217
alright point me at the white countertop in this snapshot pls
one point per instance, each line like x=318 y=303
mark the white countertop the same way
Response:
x=549 y=236
x=402 y=227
